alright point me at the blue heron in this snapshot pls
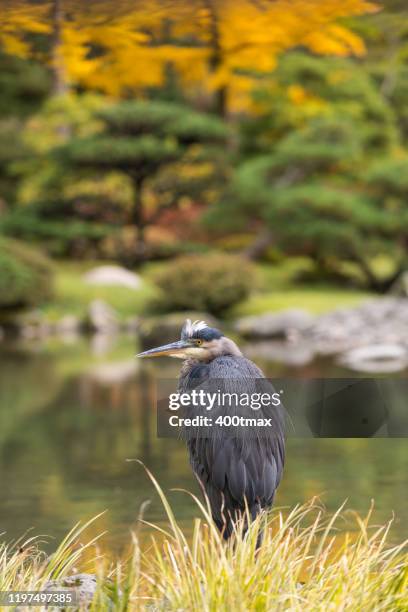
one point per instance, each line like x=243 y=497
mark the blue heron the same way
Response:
x=239 y=474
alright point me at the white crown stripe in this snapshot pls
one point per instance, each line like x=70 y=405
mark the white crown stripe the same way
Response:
x=189 y=328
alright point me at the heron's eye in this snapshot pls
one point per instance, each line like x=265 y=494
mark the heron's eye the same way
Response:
x=198 y=342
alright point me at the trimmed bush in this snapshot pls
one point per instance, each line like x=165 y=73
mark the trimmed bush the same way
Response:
x=25 y=275
x=211 y=283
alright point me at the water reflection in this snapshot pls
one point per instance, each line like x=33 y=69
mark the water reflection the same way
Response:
x=72 y=415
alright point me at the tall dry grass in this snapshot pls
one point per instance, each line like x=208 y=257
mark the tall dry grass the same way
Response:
x=307 y=562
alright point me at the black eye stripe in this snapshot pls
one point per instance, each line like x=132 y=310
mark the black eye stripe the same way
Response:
x=207 y=334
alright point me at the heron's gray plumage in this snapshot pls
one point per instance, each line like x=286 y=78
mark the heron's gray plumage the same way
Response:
x=235 y=472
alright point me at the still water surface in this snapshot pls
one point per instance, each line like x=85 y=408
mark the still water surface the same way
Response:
x=73 y=413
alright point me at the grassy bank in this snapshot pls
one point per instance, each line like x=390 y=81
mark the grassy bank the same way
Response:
x=304 y=564
x=286 y=285
x=278 y=287
x=72 y=295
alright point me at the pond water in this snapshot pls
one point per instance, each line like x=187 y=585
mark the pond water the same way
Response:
x=73 y=413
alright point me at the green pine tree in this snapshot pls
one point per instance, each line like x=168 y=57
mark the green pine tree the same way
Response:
x=309 y=172
x=142 y=139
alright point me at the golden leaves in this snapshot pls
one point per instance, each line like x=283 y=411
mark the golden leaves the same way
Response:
x=17 y=19
x=126 y=45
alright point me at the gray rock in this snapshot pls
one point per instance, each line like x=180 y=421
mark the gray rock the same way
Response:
x=294 y=354
x=102 y=343
x=32 y=325
x=376 y=358
x=102 y=317
x=113 y=275
x=69 y=324
x=275 y=325
x=379 y=326
x=84 y=585
x=375 y=322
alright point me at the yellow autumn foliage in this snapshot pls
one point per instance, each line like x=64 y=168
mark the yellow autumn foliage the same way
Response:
x=122 y=46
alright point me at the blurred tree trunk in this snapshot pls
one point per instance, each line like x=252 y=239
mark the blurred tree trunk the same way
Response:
x=383 y=285
x=261 y=243
x=379 y=285
x=60 y=83
x=139 y=220
x=220 y=94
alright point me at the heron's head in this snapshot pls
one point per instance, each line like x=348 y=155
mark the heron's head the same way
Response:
x=197 y=341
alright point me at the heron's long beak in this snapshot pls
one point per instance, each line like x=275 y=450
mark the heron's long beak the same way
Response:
x=174 y=348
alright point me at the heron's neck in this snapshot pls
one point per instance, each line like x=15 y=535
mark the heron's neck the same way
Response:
x=217 y=348
x=225 y=346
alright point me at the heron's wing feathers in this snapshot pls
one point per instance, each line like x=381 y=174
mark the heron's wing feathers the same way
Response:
x=230 y=482
x=235 y=470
